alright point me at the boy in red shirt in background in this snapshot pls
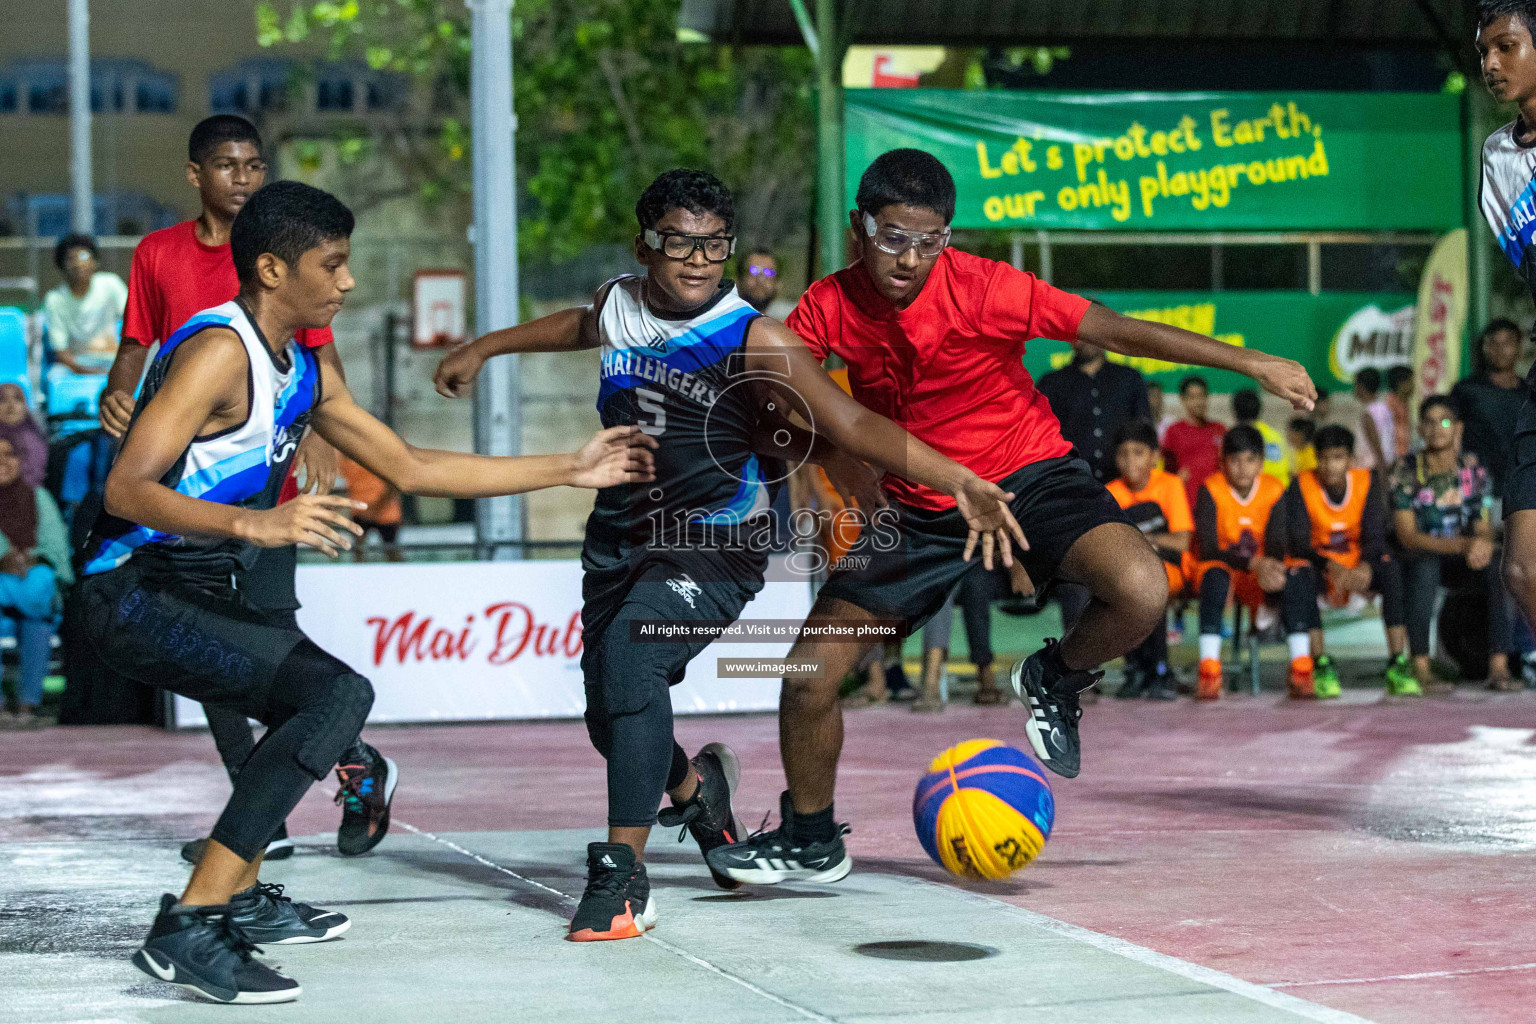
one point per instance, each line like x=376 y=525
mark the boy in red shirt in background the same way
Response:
x=1192 y=445
x=179 y=271
x=1154 y=502
x=934 y=339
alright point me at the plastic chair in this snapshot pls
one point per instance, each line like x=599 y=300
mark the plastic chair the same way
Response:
x=13 y=350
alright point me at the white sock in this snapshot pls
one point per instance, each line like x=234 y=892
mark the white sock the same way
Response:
x=1210 y=646
x=1300 y=645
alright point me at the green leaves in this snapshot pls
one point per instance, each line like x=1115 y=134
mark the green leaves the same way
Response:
x=606 y=98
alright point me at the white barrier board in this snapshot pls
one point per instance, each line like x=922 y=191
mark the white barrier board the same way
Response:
x=468 y=641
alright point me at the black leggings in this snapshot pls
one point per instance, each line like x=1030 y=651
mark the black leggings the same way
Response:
x=315 y=708
x=1294 y=602
x=1151 y=655
x=1424 y=575
x=629 y=703
x=195 y=637
x=1386 y=580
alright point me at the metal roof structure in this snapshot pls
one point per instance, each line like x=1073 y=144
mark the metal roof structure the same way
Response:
x=1439 y=24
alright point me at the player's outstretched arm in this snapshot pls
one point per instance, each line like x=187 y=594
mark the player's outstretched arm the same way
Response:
x=205 y=391
x=614 y=456
x=790 y=370
x=566 y=331
x=1109 y=330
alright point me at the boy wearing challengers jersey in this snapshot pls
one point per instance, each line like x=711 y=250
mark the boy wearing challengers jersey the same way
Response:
x=698 y=369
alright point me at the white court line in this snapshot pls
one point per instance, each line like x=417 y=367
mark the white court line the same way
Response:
x=1183 y=968
x=697 y=961
x=1140 y=954
x=1406 y=977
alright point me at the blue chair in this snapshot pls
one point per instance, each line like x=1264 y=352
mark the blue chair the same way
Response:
x=13 y=350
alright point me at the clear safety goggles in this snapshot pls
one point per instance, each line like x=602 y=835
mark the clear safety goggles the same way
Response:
x=896 y=241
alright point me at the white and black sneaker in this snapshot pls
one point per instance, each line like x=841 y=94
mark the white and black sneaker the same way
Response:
x=707 y=815
x=1052 y=698
x=765 y=858
x=203 y=950
x=271 y=919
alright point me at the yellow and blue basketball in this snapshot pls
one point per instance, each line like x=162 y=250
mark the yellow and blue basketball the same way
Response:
x=984 y=810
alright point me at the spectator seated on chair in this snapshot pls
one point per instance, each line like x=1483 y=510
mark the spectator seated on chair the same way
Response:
x=1336 y=526
x=26 y=438
x=34 y=562
x=82 y=314
x=1155 y=503
x=1442 y=501
x=1240 y=552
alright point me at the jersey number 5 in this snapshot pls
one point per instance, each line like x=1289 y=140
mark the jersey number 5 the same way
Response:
x=650 y=401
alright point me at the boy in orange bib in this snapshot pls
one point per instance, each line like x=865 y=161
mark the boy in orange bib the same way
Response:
x=1154 y=502
x=1240 y=546
x=1336 y=526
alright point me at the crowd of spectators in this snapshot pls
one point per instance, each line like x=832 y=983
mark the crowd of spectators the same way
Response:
x=1398 y=506
x=40 y=482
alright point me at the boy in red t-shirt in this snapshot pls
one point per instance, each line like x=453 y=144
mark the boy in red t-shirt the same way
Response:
x=934 y=339
x=177 y=272
x=1192 y=445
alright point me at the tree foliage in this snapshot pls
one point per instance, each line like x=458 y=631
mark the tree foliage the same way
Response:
x=606 y=98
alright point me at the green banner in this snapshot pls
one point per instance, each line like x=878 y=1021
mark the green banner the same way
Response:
x=1333 y=335
x=1306 y=161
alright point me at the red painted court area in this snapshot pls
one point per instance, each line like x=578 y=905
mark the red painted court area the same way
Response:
x=1378 y=859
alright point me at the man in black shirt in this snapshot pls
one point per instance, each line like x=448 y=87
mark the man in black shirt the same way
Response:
x=1092 y=398
x=1490 y=399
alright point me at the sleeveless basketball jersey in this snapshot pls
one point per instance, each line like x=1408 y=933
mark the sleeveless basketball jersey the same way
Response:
x=243 y=465
x=1336 y=528
x=683 y=382
x=1240 y=524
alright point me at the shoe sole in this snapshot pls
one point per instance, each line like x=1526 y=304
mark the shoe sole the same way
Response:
x=391 y=780
x=730 y=765
x=278 y=849
x=152 y=969
x=334 y=932
x=1031 y=726
x=772 y=875
x=634 y=930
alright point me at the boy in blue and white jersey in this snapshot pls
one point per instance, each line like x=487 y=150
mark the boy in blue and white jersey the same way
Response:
x=1507 y=195
x=192 y=496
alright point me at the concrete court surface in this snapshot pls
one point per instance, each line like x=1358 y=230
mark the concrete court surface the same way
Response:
x=1250 y=861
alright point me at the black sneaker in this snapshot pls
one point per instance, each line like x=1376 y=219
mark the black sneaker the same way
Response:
x=708 y=814
x=617 y=903
x=1052 y=700
x=1134 y=685
x=202 y=949
x=272 y=919
x=1162 y=686
x=368 y=781
x=280 y=848
x=765 y=858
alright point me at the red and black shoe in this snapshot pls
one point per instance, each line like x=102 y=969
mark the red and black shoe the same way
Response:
x=617 y=902
x=707 y=815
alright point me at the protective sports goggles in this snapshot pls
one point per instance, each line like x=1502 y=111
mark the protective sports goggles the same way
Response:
x=896 y=241
x=717 y=248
